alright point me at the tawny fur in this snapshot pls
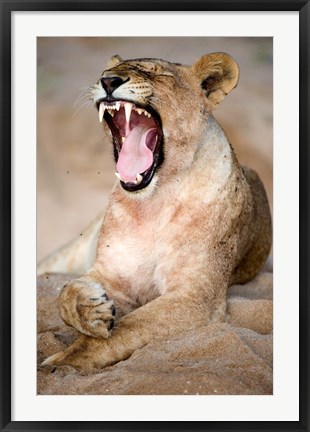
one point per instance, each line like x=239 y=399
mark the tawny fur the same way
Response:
x=167 y=254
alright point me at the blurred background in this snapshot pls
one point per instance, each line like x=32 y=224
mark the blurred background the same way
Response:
x=75 y=168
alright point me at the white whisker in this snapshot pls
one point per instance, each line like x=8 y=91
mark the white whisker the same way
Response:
x=85 y=93
x=83 y=105
x=81 y=99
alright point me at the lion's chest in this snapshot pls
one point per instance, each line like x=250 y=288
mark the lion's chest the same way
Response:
x=129 y=264
x=140 y=256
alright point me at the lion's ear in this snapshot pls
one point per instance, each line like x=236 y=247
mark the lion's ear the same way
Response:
x=218 y=74
x=115 y=60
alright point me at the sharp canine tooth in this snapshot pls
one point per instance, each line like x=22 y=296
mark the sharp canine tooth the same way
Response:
x=123 y=140
x=118 y=176
x=128 y=108
x=101 y=111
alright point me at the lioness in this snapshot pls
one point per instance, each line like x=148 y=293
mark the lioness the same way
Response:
x=184 y=222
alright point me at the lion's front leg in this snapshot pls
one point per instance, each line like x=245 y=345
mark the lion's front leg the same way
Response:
x=173 y=312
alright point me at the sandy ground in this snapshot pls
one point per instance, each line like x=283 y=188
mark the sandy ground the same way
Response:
x=74 y=175
x=74 y=160
x=230 y=358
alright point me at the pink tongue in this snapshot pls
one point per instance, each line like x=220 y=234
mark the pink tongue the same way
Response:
x=135 y=157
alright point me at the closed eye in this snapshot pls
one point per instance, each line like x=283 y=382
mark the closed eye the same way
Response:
x=166 y=74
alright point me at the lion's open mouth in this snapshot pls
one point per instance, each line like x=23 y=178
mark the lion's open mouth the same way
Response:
x=137 y=138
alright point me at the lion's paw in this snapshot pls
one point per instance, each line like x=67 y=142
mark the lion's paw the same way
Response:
x=86 y=306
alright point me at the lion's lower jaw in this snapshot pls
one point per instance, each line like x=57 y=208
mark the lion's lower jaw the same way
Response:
x=144 y=193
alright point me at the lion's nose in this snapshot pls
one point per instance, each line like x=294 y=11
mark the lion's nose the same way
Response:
x=111 y=83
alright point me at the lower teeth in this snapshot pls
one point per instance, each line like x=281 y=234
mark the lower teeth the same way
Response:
x=138 y=179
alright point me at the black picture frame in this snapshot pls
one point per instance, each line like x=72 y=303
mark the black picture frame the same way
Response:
x=7 y=7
